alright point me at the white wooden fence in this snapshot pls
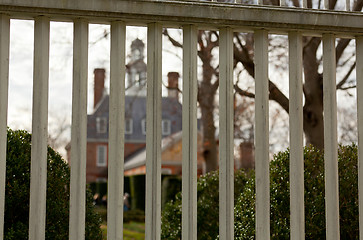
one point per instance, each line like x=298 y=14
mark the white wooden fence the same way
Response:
x=188 y=15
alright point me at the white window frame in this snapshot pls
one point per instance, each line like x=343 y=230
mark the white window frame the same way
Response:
x=165 y=130
x=128 y=126
x=143 y=126
x=99 y=152
x=101 y=125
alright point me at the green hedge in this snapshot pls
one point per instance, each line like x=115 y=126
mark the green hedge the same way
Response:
x=137 y=192
x=207 y=205
x=57 y=203
x=280 y=200
x=170 y=186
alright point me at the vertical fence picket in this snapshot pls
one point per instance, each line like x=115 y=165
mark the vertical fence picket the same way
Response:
x=326 y=4
x=359 y=72
x=262 y=136
x=116 y=133
x=38 y=179
x=153 y=132
x=226 y=145
x=189 y=149
x=296 y=137
x=4 y=83
x=305 y=3
x=330 y=138
x=347 y=5
x=79 y=132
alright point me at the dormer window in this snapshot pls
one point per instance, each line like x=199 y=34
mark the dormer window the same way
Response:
x=128 y=126
x=101 y=124
x=165 y=127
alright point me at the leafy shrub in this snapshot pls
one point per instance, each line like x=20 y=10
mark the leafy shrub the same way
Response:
x=57 y=204
x=137 y=192
x=279 y=200
x=207 y=205
x=170 y=186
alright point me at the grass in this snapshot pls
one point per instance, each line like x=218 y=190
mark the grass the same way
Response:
x=132 y=231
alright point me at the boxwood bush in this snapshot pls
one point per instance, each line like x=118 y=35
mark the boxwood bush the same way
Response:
x=280 y=200
x=207 y=205
x=57 y=203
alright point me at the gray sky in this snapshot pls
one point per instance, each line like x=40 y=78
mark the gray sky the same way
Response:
x=60 y=66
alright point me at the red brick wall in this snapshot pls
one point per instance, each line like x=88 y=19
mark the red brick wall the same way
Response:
x=93 y=171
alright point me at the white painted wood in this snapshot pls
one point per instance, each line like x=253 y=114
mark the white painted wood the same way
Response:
x=326 y=4
x=226 y=145
x=79 y=131
x=153 y=133
x=347 y=5
x=359 y=72
x=283 y=3
x=305 y=3
x=262 y=136
x=4 y=84
x=297 y=223
x=189 y=149
x=178 y=13
x=38 y=171
x=116 y=133
x=330 y=138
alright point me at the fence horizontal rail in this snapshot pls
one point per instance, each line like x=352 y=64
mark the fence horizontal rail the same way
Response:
x=203 y=14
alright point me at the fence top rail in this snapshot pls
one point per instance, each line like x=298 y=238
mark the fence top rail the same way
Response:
x=209 y=15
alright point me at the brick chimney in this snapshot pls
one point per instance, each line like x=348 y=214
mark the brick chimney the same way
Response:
x=173 y=87
x=99 y=85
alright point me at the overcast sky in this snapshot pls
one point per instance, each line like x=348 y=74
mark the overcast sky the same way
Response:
x=60 y=66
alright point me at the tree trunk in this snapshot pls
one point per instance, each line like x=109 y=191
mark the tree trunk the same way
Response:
x=313 y=89
x=209 y=140
x=206 y=102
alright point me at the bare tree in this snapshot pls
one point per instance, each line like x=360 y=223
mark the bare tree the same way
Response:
x=244 y=53
x=58 y=131
x=313 y=82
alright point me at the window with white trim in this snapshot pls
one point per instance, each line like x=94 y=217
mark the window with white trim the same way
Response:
x=143 y=126
x=128 y=126
x=165 y=127
x=101 y=124
x=101 y=156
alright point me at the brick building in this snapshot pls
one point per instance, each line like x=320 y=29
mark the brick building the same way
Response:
x=135 y=117
x=135 y=127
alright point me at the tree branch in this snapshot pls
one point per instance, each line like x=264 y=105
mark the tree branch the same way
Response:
x=346 y=88
x=243 y=92
x=171 y=39
x=244 y=57
x=345 y=78
x=341 y=46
